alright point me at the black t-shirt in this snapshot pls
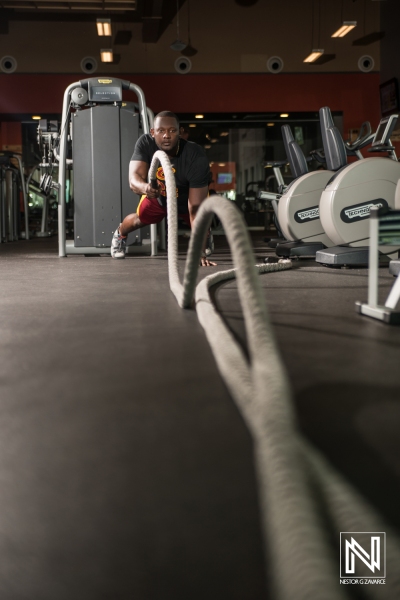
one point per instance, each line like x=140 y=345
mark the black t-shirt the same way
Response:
x=190 y=165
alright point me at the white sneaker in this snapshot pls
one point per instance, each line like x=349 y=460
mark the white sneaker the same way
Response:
x=118 y=245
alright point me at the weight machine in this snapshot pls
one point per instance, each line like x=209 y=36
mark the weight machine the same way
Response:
x=97 y=137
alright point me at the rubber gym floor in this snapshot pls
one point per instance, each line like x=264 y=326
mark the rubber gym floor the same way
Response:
x=126 y=468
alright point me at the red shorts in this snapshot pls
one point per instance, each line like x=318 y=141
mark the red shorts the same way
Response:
x=150 y=211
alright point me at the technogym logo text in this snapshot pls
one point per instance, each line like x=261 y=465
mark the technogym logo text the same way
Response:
x=308 y=214
x=359 y=212
x=362 y=557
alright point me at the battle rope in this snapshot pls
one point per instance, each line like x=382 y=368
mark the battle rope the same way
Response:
x=292 y=477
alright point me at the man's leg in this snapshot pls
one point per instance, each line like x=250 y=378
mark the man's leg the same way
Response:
x=150 y=212
x=118 y=242
x=130 y=223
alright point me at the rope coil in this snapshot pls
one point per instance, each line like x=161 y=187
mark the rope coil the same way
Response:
x=298 y=529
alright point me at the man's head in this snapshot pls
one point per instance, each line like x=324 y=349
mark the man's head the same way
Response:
x=166 y=131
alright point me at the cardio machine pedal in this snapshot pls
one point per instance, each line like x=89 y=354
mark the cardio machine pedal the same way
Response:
x=299 y=249
x=348 y=256
x=273 y=242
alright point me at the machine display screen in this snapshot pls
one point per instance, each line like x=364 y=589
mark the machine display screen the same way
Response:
x=224 y=178
x=378 y=139
x=384 y=131
x=105 y=93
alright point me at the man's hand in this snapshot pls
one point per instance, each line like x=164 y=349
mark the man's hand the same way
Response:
x=204 y=262
x=152 y=192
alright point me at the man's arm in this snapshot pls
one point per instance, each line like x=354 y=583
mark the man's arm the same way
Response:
x=196 y=197
x=138 y=171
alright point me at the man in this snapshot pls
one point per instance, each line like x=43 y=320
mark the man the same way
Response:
x=191 y=168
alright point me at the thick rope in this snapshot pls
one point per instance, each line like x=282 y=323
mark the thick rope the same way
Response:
x=303 y=562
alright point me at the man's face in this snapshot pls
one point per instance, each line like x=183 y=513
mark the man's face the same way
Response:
x=166 y=134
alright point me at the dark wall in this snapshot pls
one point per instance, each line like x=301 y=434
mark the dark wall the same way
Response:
x=390 y=44
x=356 y=95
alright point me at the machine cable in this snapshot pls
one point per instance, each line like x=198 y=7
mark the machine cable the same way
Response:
x=50 y=142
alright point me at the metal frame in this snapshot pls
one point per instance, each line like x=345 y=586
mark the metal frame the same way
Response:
x=387 y=312
x=24 y=194
x=3 y=195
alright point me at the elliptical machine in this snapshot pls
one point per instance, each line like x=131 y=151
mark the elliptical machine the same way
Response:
x=348 y=197
x=298 y=209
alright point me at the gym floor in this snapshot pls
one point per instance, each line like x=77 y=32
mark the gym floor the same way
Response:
x=126 y=469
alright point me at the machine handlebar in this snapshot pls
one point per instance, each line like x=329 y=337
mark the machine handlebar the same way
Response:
x=318 y=155
x=276 y=163
x=364 y=138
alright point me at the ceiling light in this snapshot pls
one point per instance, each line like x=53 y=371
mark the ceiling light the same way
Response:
x=270 y=124
x=370 y=38
x=344 y=29
x=106 y=56
x=103 y=27
x=284 y=115
x=178 y=46
x=199 y=116
x=224 y=133
x=221 y=164
x=214 y=140
x=192 y=125
x=189 y=50
x=324 y=58
x=313 y=56
x=36 y=118
x=207 y=146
